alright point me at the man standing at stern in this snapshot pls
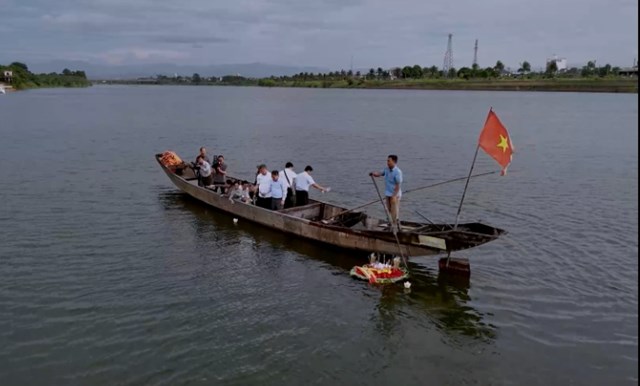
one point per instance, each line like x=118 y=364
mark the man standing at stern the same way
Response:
x=392 y=187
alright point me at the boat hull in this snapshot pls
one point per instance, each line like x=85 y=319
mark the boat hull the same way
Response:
x=307 y=222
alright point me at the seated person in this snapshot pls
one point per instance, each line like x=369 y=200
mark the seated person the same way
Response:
x=246 y=192
x=235 y=190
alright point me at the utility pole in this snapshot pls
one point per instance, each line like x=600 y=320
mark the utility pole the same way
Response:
x=448 y=57
x=475 y=54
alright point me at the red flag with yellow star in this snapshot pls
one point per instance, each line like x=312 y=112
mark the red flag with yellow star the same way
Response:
x=495 y=141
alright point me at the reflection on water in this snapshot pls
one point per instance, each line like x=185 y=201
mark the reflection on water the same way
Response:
x=442 y=298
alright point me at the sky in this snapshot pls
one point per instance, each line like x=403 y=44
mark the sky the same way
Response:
x=334 y=34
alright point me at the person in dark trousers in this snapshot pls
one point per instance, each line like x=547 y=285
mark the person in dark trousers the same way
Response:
x=288 y=177
x=392 y=187
x=263 y=185
x=303 y=182
x=219 y=174
x=278 y=191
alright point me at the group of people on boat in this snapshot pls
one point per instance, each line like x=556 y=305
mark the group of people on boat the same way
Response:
x=271 y=189
x=284 y=189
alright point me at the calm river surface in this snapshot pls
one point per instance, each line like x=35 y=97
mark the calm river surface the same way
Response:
x=110 y=276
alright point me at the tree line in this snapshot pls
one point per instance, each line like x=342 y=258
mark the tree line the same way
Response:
x=474 y=72
x=23 y=78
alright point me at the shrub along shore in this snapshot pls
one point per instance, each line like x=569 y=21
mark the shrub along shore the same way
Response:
x=21 y=78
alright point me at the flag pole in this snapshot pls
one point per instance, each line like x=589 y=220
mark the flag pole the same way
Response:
x=466 y=184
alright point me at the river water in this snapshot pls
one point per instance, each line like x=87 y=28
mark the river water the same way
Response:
x=110 y=275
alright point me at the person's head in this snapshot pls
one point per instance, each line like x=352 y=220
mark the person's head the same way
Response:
x=308 y=169
x=230 y=182
x=262 y=169
x=203 y=151
x=245 y=184
x=392 y=160
x=288 y=165
x=220 y=159
x=275 y=175
x=199 y=159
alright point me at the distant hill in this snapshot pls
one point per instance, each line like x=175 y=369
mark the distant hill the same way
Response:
x=109 y=72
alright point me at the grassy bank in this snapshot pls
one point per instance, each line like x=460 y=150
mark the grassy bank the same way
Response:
x=608 y=85
x=612 y=85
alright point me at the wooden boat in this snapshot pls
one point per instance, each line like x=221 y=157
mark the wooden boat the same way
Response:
x=335 y=225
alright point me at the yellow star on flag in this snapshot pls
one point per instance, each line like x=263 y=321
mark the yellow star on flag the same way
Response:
x=503 y=143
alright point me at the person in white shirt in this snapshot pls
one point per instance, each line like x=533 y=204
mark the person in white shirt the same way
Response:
x=246 y=192
x=288 y=177
x=263 y=182
x=303 y=182
x=235 y=191
x=206 y=177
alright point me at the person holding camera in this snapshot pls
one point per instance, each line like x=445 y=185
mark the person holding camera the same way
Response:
x=219 y=174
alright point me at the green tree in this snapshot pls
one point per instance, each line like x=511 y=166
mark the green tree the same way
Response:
x=371 y=74
x=266 y=82
x=66 y=72
x=406 y=72
x=488 y=72
x=552 y=68
x=464 y=73
x=19 y=65
x=196 y=78
x=452 y=73
x=499 y=67
x=433 y=71
x=416 y=71
x=604 y=70
x=525 y=68
x=379 y=72
x=474 y=71
x=397 y=72
x=589 y=69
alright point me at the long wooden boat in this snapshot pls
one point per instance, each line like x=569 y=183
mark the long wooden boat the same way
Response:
x=335 y=225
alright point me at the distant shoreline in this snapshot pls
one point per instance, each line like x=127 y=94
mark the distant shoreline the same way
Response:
x=596 y=85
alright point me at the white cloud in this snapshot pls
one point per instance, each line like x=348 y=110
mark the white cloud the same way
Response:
x=324 y=32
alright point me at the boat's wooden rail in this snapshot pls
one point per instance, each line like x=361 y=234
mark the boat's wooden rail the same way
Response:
x=312 y=211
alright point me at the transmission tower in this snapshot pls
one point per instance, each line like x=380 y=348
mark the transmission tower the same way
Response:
x=448 y=57
x=475 y=54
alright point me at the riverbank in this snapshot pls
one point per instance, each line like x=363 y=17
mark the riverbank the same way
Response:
x=6 y=88
x=613 y=85
x=604 y=85
x=18 y=76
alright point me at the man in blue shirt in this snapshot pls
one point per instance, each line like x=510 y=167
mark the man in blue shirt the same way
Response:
x=392 y=187
x=278 y=191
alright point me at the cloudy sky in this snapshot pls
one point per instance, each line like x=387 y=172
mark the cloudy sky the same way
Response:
x=323 y=33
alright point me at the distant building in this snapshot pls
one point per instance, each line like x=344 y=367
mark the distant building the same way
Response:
x=7 y=76
x=628 y=71
x=561 y=63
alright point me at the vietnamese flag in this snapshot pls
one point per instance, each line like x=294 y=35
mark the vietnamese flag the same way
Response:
x=495 y=141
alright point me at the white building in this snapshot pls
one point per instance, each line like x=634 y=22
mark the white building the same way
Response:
x=561 y=63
